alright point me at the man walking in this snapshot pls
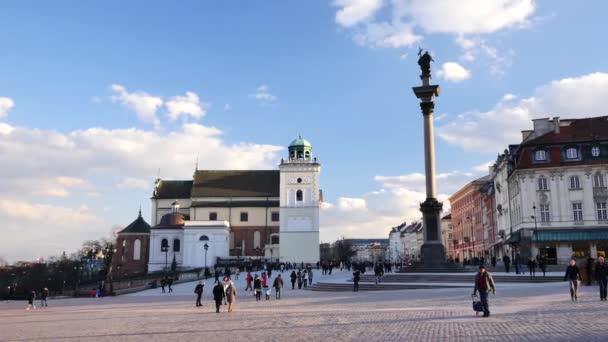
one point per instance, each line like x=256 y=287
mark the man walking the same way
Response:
x=278 y=285
x=199 y=292
x=601 y=275
x=356 y=277
x=484 y=284
x=231 y=296
x=43 y=297
x=218 y=295
x=573 y=275
x=507 y=261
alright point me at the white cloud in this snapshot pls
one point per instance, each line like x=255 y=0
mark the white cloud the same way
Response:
x=188 y=105
x=227 y=107
x=46 y=214
x=6 y=104
x=348 y=204
x=493 y=130
x=386 y=35
x=454 y=72
x=352 y=12
x=403 y=56
x=263 y=95
x=135 y=183
x=465 y=16
x=142 y=103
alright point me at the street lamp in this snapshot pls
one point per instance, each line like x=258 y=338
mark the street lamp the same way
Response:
x=165 y=249
x=206 y=247
x=535 y=224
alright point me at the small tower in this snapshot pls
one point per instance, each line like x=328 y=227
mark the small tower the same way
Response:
x=300 y=201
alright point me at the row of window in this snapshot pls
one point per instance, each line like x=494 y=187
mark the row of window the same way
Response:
x=575 y=182
x=572 y=153
x=244 y=216
x=577 y=212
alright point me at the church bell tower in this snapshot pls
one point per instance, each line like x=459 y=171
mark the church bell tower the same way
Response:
x=300 y=202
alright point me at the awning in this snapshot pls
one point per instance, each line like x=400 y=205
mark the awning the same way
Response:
x=514 y=238
x=572 y=235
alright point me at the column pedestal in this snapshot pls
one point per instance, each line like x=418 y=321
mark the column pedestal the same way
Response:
x=432 y=251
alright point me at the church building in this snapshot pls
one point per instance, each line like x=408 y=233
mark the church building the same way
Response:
x=271 y=214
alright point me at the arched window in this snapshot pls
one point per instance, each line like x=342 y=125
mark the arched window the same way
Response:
x=256 y=239
x=137 y=249
x=176 y=245
x=299 y=196
x=164 y=243
x=307 y=155
x=204 y=238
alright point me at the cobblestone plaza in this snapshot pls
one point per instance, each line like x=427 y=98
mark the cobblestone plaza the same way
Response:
x=520 y=312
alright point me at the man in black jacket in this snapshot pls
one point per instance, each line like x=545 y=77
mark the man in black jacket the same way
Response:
x=601 y=275
x=573 y=275
x=199 y=292
x=218 y=296
x=484 y=284
x=507 y=261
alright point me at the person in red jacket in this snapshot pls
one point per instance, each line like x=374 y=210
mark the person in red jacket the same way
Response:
x=264 y=279
x=249 y=281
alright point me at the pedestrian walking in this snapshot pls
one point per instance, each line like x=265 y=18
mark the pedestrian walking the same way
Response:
x=264 y=279
x=163 y=283
x=31 y=297
x=532 y=267
x=493 y=261
x=231 y=296
x=299 y=275
x=507 y=262
x=198 y=289
x=218 y=296
x=249 y=279
x=225 y=283
x=236 y=274
x=305 y=278
x=518 y=269
x=257 y=288
x=278 y=285
x=170 y=283
x=267 y=292
x=356 y=278
x=542 y=264
x=573 y=276
x=293 y=277
x=601 y=275
x=310 y=276
x=217 y=275
x=484 y=284
x=43 y=297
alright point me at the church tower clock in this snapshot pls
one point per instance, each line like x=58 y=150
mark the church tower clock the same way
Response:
x=300 y=201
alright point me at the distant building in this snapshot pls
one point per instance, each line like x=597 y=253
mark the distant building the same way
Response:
x=132 y=249
x=369 y=250
x=446 y=235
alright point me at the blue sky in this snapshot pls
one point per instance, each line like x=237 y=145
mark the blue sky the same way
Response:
x=338 y=72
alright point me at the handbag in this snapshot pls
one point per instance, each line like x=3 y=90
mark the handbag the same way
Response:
x=477 y=307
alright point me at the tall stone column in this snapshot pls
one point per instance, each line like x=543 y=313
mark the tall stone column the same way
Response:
x=432 y=251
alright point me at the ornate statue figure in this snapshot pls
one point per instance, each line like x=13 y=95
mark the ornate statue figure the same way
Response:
x=424 y=61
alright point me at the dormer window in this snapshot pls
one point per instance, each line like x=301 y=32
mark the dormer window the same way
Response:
x=571 y=153
x=540 y=155
x=595 y=151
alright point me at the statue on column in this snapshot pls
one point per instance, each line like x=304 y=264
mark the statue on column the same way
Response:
x=424 y=60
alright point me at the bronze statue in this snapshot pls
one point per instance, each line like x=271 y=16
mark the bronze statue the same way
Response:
x=424 y=61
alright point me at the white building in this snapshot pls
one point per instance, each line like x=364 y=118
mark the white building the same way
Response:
x=557 y=190
x=239 y=213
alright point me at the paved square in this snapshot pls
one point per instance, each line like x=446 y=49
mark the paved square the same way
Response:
x=534 y=312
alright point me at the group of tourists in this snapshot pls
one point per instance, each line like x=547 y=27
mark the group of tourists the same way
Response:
x=166 y=281
x=32 y=296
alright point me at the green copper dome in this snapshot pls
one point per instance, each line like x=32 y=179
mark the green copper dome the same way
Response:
x=300 y=142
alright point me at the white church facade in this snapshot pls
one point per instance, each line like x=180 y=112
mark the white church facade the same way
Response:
x=272 y=214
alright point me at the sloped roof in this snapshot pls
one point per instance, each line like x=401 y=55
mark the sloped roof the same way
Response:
x=172 y=189
x=138 y=226
x=575 y=130
x=257 y=183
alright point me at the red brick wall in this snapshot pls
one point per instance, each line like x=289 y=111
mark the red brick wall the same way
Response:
x=124 y=255
x=247 y=233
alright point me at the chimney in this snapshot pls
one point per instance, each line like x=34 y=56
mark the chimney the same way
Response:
x=556 y=124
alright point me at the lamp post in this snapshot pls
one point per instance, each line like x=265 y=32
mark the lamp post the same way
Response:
x=165 y=249
x=535 y=223
x=206 y=247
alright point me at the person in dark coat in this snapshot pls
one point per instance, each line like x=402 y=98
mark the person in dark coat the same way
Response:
x=199 y=292
x=532 y=267
x=507 y=262
x=300 y=279
x=356 y=278
x=601 y=275
x=31 y=297
x=484 y=284
x=163 y=283
x=278 y=285
x=573 y=275
x=542 y=264
x=293 y=277
x=43 y=297
x=170 y=283
x=218 y=296
x=257 y=287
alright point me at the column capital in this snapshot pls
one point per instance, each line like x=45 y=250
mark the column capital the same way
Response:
x=427 y=107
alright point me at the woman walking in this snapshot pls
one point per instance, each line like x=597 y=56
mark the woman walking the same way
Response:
x=231 y=296
x=299 y=275
x=293 y=277
x=573 y=276
x=257 y=288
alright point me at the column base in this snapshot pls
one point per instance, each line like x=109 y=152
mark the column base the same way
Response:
x=432 y=253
